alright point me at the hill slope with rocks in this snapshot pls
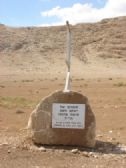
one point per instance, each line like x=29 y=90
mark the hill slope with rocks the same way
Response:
x=98 y=48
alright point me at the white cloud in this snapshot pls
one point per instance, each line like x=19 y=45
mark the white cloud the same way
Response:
x=86 y=12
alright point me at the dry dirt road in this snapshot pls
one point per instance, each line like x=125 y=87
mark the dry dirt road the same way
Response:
x=20 y=94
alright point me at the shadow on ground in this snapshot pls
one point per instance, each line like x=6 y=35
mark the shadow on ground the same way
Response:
x=100 y=147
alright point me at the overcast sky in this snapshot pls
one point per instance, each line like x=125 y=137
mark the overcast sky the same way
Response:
x=56 y=12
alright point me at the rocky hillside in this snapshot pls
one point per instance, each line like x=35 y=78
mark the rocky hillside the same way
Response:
x=99 y=43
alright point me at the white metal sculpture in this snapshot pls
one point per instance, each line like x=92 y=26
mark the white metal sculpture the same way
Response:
x=68 y=58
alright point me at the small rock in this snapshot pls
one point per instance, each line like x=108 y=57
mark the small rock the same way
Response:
x=36 y=167
x=124 y=156
x=33 y=148
x=110 y=131
x=74 y=151
x=14 y=147
x=19 y=111
x=42 y=149
x=95 y=156
x=99 y=136
x=4 y=144
x=8 y=151
x=63 y=150
x=86 y=154
x=37 y=91
x=91 y=154
x=122 y=149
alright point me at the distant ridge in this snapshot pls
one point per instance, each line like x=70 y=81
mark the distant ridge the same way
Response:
x=102 y=43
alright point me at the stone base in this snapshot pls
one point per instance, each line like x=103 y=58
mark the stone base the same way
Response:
x=40 y=122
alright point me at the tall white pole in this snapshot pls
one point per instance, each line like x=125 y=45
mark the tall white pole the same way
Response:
x=68 y=58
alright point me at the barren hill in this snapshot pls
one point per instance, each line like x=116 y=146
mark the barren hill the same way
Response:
x=97 y=49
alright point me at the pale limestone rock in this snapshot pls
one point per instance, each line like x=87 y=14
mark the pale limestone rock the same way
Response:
x=75 y=151
x=42 y=149
x=40 y=122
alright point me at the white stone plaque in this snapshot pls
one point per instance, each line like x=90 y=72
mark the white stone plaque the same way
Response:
x=68 y=116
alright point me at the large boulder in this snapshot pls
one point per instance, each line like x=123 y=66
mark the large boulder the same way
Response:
x=47 y=125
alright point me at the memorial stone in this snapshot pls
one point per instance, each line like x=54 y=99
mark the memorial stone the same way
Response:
x=64 y=117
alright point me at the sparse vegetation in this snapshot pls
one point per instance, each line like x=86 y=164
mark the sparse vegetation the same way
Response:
x=99 y=80
x=2 y=86
x=13 y=102
x=27 y=80
x=85 y=84
x=120 y=84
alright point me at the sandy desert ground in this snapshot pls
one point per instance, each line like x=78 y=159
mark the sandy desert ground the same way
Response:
x=24 y=82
